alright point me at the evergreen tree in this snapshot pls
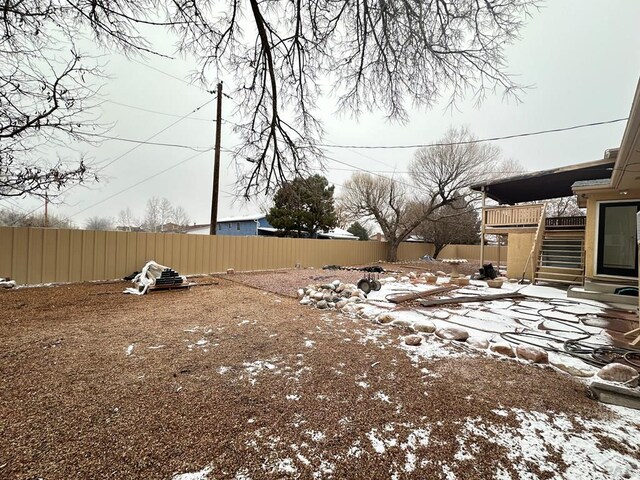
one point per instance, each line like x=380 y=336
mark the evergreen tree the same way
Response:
x=303 y=205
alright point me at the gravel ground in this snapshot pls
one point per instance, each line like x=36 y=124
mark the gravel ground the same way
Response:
x=248 y=384
x=287 y=282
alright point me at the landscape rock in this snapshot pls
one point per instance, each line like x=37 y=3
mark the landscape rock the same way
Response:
x=318 y=296
x=322 y=304
x=385 y=318
x=355 y=293
x=230 y=271
x=440 y=273
x=571 y=368
x=424 y=326
x=441 y=314
x=452 y=333
x=341 y=304
x=532 y=353
x=300 y=292
x=617 y=372
x=481 y=343
x=340 y=287
x=413 y=340
x=502 y=348
x=400 y=322
x=405 y=279
x=305 y=301
x=413 y=275
x=328 y=286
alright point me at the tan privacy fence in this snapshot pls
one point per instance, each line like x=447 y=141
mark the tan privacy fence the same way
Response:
x=41 y=255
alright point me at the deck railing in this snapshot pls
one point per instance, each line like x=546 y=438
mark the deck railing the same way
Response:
x=566 y=222
x=513 y=216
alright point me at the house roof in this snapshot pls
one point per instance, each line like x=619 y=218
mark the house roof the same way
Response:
x=545 y=184
x=245 y=218
x=338 y=233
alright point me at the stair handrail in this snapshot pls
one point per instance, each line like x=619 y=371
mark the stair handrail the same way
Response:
x=535 y=248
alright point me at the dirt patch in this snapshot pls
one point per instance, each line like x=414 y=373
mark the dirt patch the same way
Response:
x=96 y=384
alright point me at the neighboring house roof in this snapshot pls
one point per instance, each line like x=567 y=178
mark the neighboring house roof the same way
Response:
x=242 y=218
x=337 y=233
x=545 y=184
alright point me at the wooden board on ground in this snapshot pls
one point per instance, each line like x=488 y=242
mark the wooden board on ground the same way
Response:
x=415 y=296
x=469 y=299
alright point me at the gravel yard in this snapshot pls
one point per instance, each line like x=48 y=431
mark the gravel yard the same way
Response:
x=226 y=381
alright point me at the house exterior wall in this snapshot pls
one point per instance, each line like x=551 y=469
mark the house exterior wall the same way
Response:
x=520 y=245
x=591 y=232
x=241 y=228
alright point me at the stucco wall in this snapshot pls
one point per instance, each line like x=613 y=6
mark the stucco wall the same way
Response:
x=517 y=254
x=592 y=220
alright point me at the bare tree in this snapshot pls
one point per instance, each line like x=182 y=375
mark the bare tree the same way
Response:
x=376 y=54
x=152 y=221
x=446 y=171
x=441 y=174
x=99 y=223
x=180 y=217
x=44 y=98
x=13 y=218
x=564 y=207
x=386 y=201
x=165 y=213
x=451 y=224
x=126 y=220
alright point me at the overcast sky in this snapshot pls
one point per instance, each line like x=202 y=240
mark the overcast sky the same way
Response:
x=581 y=57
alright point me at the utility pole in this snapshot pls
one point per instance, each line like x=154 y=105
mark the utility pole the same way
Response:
x=46 y=209
x=216 y=166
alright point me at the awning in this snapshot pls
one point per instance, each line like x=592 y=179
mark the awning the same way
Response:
x=545 y=184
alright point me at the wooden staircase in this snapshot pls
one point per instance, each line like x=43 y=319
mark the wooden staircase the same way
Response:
x=561 y=256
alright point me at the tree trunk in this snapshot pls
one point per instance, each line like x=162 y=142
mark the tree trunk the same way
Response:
x=438 y=249
x=392 y=254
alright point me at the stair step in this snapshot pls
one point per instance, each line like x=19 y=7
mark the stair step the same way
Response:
x=562 y=249
x=560 y=270
x=564 y=282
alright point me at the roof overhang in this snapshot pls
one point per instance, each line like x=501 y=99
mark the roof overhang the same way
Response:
x=626 y=175
x=545 y=184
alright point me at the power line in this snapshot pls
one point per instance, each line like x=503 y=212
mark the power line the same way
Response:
x=146 y=179
x=153 y=136
x=468 y=142
x=211 y=120
x=138 y=145
x=160 y=144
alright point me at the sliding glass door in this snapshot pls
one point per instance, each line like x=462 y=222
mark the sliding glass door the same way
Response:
x=617 y=243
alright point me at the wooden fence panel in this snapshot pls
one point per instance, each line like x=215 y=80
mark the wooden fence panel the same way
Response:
x=36 y=255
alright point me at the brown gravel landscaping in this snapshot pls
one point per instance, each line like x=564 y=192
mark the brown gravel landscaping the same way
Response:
x=247 y=384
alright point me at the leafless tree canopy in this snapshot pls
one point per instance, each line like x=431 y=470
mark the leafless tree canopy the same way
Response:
x=445 y=172
x=438 y=187
x=376 y=54
x=44 y=98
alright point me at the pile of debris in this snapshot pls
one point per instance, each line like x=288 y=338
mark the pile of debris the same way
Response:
x=156 y=277
x=7 y=283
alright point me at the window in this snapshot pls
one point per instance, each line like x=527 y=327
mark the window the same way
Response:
x=238 y=226
x=229 y=225
x=219 y=226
